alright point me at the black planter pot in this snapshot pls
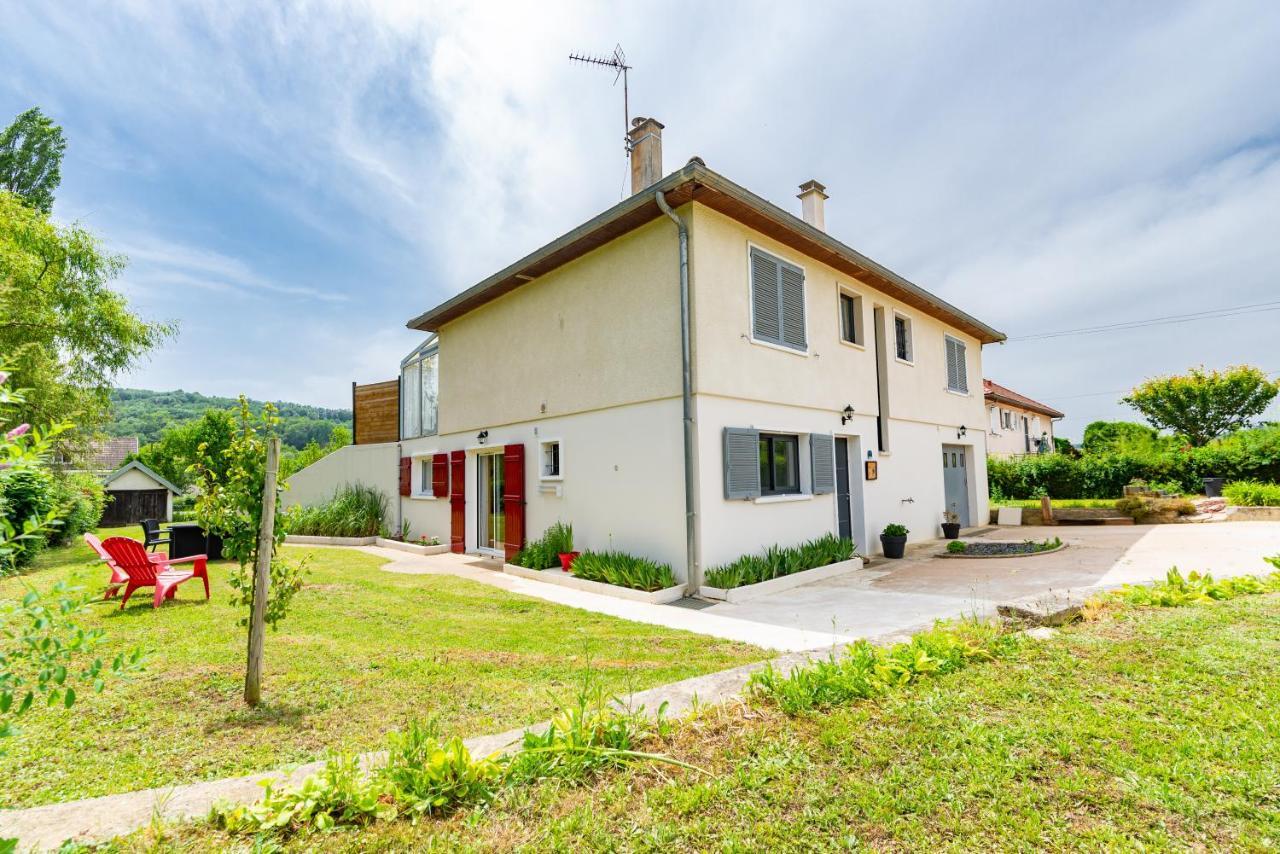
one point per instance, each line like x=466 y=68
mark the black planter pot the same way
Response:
x=1213 y=486
x=951 y=530
x=893 y=546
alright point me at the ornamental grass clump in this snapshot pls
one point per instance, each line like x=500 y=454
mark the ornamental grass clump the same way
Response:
x=544 y=552
x=1252 y=493
x=778 y=561
x=624 y=570
x=867 y=671
x=355 y=510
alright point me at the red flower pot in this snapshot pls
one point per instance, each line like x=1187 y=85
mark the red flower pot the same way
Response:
x=566 y=559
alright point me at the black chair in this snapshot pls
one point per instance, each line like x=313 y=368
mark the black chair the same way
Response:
x=152 y=535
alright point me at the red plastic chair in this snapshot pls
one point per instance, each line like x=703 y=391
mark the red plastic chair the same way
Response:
x=119 y=578
x=130 y=556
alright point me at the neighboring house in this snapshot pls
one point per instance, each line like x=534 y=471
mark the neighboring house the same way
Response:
x=568 y=386
x=101 y=456
x=134 y=493
x=1017 y=425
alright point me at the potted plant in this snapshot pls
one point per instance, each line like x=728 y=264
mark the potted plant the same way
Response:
x=559 y=540
x=894 y=540
x=951 y=524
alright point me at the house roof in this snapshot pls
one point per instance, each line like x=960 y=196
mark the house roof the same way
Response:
x=695 y=182
x=135 y=465
x=995 y=391
x=110 y=454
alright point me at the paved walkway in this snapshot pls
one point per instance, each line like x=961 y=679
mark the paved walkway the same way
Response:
x=884 y=602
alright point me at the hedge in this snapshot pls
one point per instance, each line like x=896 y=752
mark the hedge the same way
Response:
x=1246 y=455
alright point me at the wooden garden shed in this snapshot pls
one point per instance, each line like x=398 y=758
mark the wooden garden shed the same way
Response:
x=135 y=492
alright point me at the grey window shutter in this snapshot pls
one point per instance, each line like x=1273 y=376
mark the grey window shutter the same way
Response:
x=792 y=301
x=962 y=370
x=741 y=463
x=957 y=378
x=953 y=381
x=766 y=320
x=822 y=459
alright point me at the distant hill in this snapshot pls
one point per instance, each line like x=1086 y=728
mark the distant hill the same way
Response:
x=145 y=414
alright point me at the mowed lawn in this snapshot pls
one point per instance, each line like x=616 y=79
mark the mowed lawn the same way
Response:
x=1155 y=730
x=362 y=652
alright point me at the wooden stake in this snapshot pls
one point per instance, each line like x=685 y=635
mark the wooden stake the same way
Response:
x=1046 y=510
x=262 y=577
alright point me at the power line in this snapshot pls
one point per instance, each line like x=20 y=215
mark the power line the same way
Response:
x=1272 y=305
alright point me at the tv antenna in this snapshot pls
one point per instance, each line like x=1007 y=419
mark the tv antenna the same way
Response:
x=618 y=62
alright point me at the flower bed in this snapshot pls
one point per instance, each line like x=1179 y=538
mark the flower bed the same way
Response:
x=783 y=582
x=780 y=568
x=561 y=578
x=990 y=548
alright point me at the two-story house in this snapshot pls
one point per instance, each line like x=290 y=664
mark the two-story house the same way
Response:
x=1017 y=425
x=692 y=375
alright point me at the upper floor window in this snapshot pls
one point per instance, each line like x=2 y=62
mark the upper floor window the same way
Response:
x=420 y=391
x=902 y=337
x=850 y=318
x=777 y=301
x=957 y=369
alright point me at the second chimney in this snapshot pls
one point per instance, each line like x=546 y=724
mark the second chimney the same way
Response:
x=812 y=197
x=645 y=139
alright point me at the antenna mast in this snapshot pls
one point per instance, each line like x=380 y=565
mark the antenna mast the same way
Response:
x=618 y=62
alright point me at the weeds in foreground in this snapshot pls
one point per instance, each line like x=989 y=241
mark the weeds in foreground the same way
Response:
x=1177 y=591
x=867 y=671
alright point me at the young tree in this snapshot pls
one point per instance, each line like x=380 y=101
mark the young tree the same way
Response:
x=31 y=159
x=1202 y=405
x=64 y=332
x=232 y=504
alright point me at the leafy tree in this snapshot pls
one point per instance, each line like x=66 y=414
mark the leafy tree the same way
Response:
x=177 y=455
x=31 y=159
x=1103 y=436
x=64 y=332
x=1202 y=405
x=44 y=653
x=339 y=437
x=231 y=504
x=146 y=414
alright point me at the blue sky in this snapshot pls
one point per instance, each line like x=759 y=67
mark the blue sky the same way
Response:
x=292 y=182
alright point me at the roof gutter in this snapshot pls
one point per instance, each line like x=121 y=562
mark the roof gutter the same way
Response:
x=693 y=573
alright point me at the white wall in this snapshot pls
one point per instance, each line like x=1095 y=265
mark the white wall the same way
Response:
x=909 y=489
x=134 y=479
x=370 y=465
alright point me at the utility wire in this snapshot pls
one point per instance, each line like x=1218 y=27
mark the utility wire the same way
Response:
x=1272 y=305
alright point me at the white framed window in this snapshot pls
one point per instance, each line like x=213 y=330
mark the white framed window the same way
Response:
x=902 y=346
x=777 y=301
x=420 y=391
x=957 y=365
x=850 y=308
x=550 y=467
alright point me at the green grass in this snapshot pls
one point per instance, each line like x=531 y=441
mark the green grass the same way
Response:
x=1091 y=503
x=1149 y=729
x=1252 y=493
x=362 y=653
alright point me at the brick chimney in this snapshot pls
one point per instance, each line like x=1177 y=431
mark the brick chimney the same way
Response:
x=812 y=197
x=645 y=138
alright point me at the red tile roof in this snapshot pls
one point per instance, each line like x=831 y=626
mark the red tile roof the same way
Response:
x=109 y=454
x=995 y=391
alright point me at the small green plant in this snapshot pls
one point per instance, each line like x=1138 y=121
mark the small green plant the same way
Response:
x=777 y=561
x=893 y=529
x=544 y=552
x=338 y=794
x=1252 y=493
x=1177 y=590
x=1147 y=509
x=956 y=547
x=428 y=775
x=867 y=671
x=624 y=570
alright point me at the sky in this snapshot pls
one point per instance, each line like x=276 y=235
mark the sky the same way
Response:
x=292 y=182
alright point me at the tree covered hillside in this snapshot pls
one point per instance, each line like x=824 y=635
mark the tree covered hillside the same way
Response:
x=146 y=414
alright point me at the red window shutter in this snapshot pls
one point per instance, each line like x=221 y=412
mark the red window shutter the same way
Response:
x=513 y=497
x=440 y=475
x=406 y=476
x=457 y=501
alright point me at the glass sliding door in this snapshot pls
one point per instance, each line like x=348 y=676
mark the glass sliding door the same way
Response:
x=492 y=524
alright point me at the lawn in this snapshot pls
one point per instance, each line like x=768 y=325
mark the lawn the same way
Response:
x=1152 y=729
x=1059 y=503
x=362 y=652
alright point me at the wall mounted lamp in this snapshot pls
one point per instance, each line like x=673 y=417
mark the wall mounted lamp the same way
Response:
x=960 y=433
x=482 y=436
x=847 y=415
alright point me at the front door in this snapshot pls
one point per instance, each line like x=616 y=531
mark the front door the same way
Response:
x=955 y=482
x=844 y=514
x=492 y=522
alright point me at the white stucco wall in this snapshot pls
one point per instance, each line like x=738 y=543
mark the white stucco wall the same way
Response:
x=371 y=465
x=134 y=479
x=1005 y=442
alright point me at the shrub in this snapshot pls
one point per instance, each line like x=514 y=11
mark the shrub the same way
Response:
x=26 y=494
x=894 y=530
x=1145 y=509
x=355 y=510
x=957 y=547
x=777 y=561
x=83 y=499
x=623 y=570
x=1252 y=493
x=544 y=552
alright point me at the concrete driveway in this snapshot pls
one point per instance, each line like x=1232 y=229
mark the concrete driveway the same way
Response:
x=891 y=596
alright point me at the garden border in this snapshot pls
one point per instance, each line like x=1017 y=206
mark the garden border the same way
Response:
x=783 y=582
x=412 y=548
x=563 y=579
